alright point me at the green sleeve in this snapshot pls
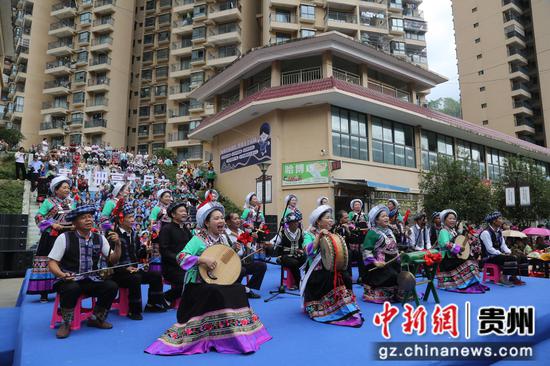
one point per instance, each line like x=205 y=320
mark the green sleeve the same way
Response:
x=245 y=214
x=45 y=207
x=154 y=213
x=287 y=211
x=308 y=238
x=370 y=240
x=399 y=217
x=443 y=238
x=108 y=208
x=350 y=215
x=73 y=205
x=195 y=247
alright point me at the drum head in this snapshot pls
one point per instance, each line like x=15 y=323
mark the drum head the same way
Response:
x=333 y=245
x=406 y=281
x=228 y=268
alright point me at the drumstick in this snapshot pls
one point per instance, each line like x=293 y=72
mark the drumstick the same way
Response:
x=385 y=264
x=254 y=252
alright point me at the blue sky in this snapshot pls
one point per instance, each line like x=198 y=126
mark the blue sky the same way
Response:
x=440 y=41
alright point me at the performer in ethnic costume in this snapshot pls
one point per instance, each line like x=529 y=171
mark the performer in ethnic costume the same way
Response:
x=291 y=204
x=494 y=250
x=358 y=227
x=380 y=247
x=79 y=251
x=173 y=237
x=455 y=274
x=253 y=220
x=289 y=245
x=328 y=296
x=119 y=193
x=158 y=218
x=210 y=316
x=51 y=221
x=435 y=227
x=131 y=277
x=322 y=201
x=396 y=222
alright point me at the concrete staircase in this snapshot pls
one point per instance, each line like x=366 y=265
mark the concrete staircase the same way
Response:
x=30 y=208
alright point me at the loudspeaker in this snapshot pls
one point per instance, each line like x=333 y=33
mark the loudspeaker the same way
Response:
x=13 y=231
x=14 y=220
x=13 y=244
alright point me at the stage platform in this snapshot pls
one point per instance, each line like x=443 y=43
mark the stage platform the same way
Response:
x=296 y=338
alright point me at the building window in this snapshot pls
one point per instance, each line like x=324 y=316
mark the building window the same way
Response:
x=161 y=90
x=164 y=18
x=143 y=131
x=496 y=161
x=476 y=25
x=282 y=37
x=77 y=118
x=157 y=146
x=163 y=36
x=82 y=57
x=150 y=22
x=485 y=122
x=304 y=33
x=228 y=51
x=198 y=33
x=396 y=24
x=19 y=104
x=349 y=134
x=144 y=111
x=307 y=12
x=162 y=54
x=197 y=55
x=282 y=16
x=197 y=79
x=159 y=109
x=482 y=89
x=479 y=56
x=161 y=72
x=150 y=5
x=147 y=56
x=148 y=38
x=477 y=40
x=78 y=97
x=392 y=143
x=80 y=77
x=146 y=74
x=191 y=152
x=83 y=37
x=75 y=139
x=86 y=18
x=474 y=9
x=159 y=128
x=143 y=149
x=397 y=48
x=145 y=92
x=435 y=146
x=483 y=105
x=199 y=11
x=481 y=72
x=473 y=153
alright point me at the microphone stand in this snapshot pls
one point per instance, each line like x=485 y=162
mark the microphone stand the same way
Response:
x=282 y=287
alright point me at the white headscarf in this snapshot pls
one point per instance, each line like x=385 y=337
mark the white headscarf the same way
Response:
x=375 y=212
x=318 y=212
x=443 y=214
x=204 y=211
x=57 y=181
x=353 y=202
x=289 y=197
x=248 y=198
x=320 y=199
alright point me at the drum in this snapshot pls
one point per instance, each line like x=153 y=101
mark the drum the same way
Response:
x=406 y=281
x=464 y=243
x=415 y=257
x=228 y=267
x=334 y=252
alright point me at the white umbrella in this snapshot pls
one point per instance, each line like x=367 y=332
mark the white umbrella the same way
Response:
x=513 y=234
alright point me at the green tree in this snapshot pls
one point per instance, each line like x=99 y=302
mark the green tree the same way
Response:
x=523 y=172
x=451 y=184
x=11 y=136
x=165 y=153
x=448 y=106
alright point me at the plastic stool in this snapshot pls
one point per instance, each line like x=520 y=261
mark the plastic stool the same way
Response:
x=80 y=313
x=175 y=304
x=289 y=280
x=494 y=274
x=121 y=302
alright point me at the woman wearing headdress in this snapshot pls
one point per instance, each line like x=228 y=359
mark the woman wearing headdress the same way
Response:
x=118 y=195
x=291 y=205
x=379 y=248
x=396 y=221
x=456 y=274
x=50 y=219
x=157 y=219
x=435 y=227
x=210 y=316
x=328 y=296
x=323 y=200
x=253 y=219
x=358 y=227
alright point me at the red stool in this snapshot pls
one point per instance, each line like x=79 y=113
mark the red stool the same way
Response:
x=121 y=302
x=175 y=304
x=80 y=313
x=491 y=272
x=289 y=280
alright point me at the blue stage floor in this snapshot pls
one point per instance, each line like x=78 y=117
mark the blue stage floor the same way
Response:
x=296 y=339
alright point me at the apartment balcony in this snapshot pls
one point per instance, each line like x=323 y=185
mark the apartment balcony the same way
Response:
x=51 y=128
x=93 y=126
x=195 y=106
x=374 y=4
x=416 y=43
x=395 y=7
x=178 y=116
x=417 y=58
x=98 y=85
x=524 y=126
x=515 y=39
x=58 y=68
x=179 y=92
x=224 y=35
x=54 y=87
x=346 y=76
x=75 y=123
x=180 y=70
x=283 y=23
x=178 y=139
x=55 y=108
x=285 y=3
x=513 y=5
x=15 y=89
x=221 y=60
x=389 y=90
x=513 y=22
x=519 y=72
x=100 y=64
x=59 y=48
x=98 y=105
x=517 y=56
x=104 y=6
x=340 y=21
x=301 y=75
x=62 y=29
x=414 y=25
x=64 y=9
x=182 y=26
x=22 y=55
x=520 y=90
x=341 y=4
x=225 y=12
x=20 y=76
x=198 y=61
x=181 y=48
x=103 y=25
x=522 y=108
x=182 y=6
x=102 y=44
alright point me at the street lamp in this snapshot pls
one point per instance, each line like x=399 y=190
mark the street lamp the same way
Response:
x=263 y=168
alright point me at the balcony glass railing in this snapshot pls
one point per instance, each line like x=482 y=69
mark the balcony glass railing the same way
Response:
x=61 y=24
x=99 y=3
x=347 y=76
x=99 y=122
x=100 y=61
x=64 y=4
x=389 y=90
x=97 y=102
x=338 y=16
x=57 y=44
x=57 y=84
x=50 y=125
x=99 y=81
x=184 y=43
x=98 y=41
x=301 y=75
x=55 y=104
x=57 y=63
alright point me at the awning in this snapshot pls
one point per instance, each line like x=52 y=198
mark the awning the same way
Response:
x=369 y=183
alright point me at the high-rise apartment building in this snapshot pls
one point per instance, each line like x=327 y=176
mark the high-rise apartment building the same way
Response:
x=121 y=71
x=503 y=52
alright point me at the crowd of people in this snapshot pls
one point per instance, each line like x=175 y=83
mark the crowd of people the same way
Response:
x=123 y=234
